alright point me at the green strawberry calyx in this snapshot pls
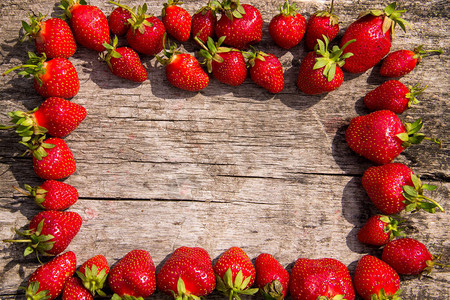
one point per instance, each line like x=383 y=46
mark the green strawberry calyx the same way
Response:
x=138 y=18
x=37 y=242
x=272 y=291
x=334 y=20
x=232 y=289
x=253 y=55
x=111 y=51
x=35 y=66
x=330 y=60
x=37 y=193
x=125 y=297
x=211 y=51
x=37 y=147
x=431 y=264
x=392 y=223
x=169 y=54
x=32 y=30
x=182 y=293
x=382 y=296
x=32 y=292
x=337 y=297
x=392 y=17
x=413 y=92
x=414 y=198
x=412 y=136
x=419 y=53
x=287 y=9
x=93 y=280
x=232 y=9
x=25 y=124
x=68 y=5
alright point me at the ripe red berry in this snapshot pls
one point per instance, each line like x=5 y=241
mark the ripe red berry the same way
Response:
x=288 y=27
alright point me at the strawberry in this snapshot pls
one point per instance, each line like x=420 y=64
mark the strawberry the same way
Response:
x=52 y=158
x=235 y=273
x=408 y=256
x=54 y=78
x=89 y=24
x=124 y=62
x=52 y=36
x=392 y=95
x=320 y=70
x=265 y=70
x=376 y=280
x=227 y=64
x=133 y=276
x=373 y=34
x=55 y=116
x=203 y=23
x=393 y=187
x=381 y=136
x=271 y=278
x=93 y=274
x=146 y=32
x=379 y=230
x=241 y=24
x=288 y=27
x=52 y=195
x=50 y=232
x=48 y=280
x=183 y=70
x=187 y=274
x=74 y=290
x=324 y=278
x=176 y=20
x=321 y=23
x=118 y=21
x=402 y=62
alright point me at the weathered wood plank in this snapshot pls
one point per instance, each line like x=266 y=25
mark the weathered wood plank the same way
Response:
x=227 y=166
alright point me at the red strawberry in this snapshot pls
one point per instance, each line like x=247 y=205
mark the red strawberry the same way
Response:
x=326 y=278
x=373 y=33
x=134 y=275
x=52 y=37
x=265 y=70
x=74 y=290
x=187 y=274
x=176 y=20
x=379 y=230
x=93 y=274
x=392 y=95
x=408 y=256
x=146 y=32
x=183 y=70
x=89 y=24
x=124 y=62
x=241 y=24
x=375 y=279
x=203 y=23
x=56 y=116
x=227 y=64
x=235 y=273
x=320 y=70
x=401 y=62
x=288 y=27
x=52 y=158
x=381 y=136
x=53 y=195
x=321 y=23
x=394 y=187
x=271 y=278
x=48 y=280
x=50 y=232
x=118 y=21
x=54 y=78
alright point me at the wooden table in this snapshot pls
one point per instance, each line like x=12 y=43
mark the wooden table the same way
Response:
x=160 y=168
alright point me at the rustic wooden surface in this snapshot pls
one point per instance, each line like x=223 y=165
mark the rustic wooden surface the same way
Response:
x=159 y=168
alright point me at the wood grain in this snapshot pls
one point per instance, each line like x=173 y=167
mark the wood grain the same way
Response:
x=160 y=168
